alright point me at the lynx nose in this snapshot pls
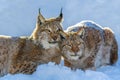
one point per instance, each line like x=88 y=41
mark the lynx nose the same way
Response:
x=75 y=49
x=54 y=38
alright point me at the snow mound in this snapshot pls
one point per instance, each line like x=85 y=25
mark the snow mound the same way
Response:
x=84 y=23
x=51 y=71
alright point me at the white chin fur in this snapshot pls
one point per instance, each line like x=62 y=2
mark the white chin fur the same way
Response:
x=74 y=57
x=47 y=45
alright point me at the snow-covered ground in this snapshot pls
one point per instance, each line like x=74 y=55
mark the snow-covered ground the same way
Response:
x=59 y=72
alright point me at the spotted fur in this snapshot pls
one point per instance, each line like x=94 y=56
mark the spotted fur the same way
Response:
x=24 y=54
x=89 y=48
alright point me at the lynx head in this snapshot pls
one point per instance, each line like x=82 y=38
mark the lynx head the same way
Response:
x=72 y=45
x=47 y=30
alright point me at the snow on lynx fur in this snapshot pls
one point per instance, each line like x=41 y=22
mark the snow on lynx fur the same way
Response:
x=88 y=46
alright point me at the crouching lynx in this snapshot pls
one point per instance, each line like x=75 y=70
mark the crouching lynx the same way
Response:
x=88 y=46
x=23 y=54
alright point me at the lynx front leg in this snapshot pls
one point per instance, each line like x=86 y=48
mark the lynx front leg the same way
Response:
x=68 y=64
x=56 y=59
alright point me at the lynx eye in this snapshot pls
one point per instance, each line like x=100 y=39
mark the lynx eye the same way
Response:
x=49 y=30
x=58 y=30
x=63 y=46
x=68 y=46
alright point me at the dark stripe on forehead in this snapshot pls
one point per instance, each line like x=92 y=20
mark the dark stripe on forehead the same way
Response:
x=56 y=26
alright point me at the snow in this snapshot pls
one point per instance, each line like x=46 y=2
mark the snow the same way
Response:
x=85 y=23
x=51 y=71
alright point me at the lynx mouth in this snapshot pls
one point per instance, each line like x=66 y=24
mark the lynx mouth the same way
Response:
x=77 y=56
x=73 y=55
x=53 y=42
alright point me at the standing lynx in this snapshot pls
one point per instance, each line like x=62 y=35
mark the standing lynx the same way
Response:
x=88 y=46
x=23 y=54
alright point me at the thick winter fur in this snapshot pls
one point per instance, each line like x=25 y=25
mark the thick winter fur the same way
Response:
x=23 y=54
x=19 y=55
x=89 y=48
x=46 y=35
x=111 y=41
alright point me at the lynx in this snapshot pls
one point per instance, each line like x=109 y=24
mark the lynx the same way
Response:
x=85 y=47
x=46 y=35
x=24 y=54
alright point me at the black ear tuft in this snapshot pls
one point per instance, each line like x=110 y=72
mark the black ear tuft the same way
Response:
x=39 y=11
x=61 y=14
x=60 y=17
x=41 y=19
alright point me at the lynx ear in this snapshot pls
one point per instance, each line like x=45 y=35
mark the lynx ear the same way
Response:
x=60 y=17
x=81 y=32
x=41 y=19
x=63 y=35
